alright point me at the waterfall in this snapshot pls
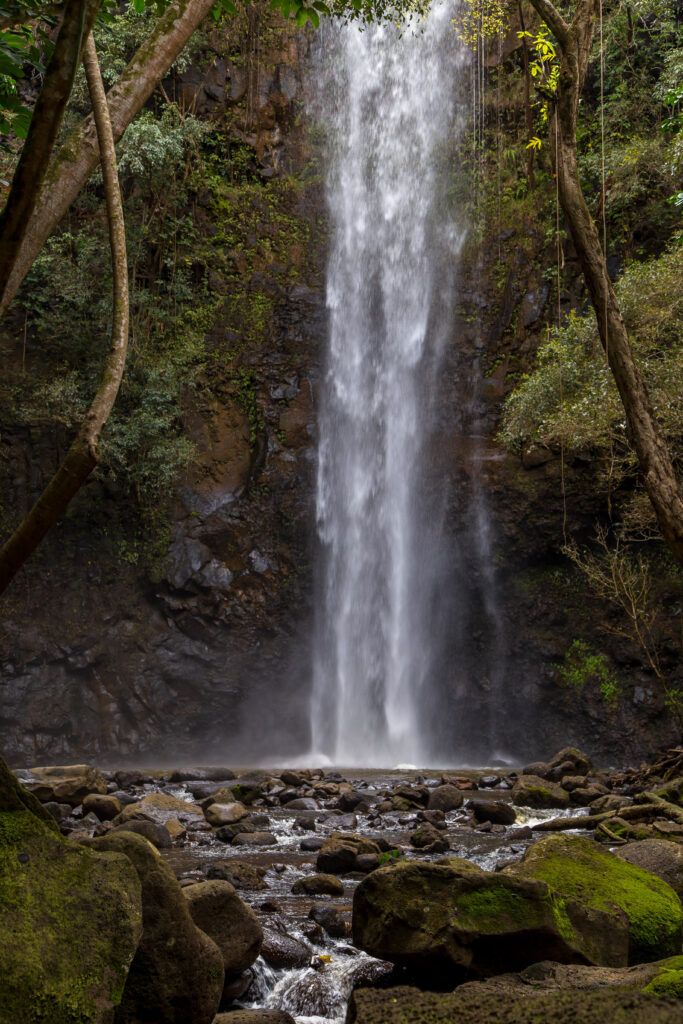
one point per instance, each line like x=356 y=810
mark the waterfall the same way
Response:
x=387 y=100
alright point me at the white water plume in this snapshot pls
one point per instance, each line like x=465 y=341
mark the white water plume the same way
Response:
x=386 y=99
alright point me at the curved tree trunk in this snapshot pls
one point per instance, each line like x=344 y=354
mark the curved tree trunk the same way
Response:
x=80 y=154
x=77 y=20
x=82 y=456
x=654 y=461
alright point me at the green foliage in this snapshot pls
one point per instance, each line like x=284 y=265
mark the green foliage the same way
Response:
x=390 y=857
x=582 y=665
x=569 y=399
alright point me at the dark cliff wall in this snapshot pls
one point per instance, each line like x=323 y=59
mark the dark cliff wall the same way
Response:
x=203 y=650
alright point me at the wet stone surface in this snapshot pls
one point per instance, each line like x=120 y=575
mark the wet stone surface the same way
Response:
x=301 y=830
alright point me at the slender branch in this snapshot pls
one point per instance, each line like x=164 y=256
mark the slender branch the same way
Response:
x=553 y=19
x=80 y=155
x=83 y=454
x=47 y=118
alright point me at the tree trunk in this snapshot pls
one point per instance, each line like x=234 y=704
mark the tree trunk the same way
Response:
x=77 y=20
x=654 y=461
x=82 y=456
x=79 y=156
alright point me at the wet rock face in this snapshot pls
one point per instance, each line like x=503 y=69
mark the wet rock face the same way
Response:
x=453 y=920
x=177 y=970
x=411 y=1006
x=580 y=869
x=70 y=919
x=117 y=662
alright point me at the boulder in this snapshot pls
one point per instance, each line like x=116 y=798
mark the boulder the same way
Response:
x=406 y=1005
x=68 y=784
x=177 y=971
x=217 y=909
x=495 y=811
x=254 y=839
x=547 y=976
x=330 y=919
x=70 y=919
x=225 y=814
x=157 y=835
x=239 y=873
x=445 y=798
x=282 y=951
x=319 y=885
x=58 y=811
x=576 y=760
x=339 y=851
x=533 y=791
x=659 y=856
x=159 y=807
x=175 y=829
x=583 y=870
x=429 y=839
x=302 y=803
x=449 y=920
x=105 y=807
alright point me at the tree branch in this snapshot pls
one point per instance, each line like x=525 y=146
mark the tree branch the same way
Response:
x=79 y=156
x=47 y=118
x=83 y=455
x=553 y=19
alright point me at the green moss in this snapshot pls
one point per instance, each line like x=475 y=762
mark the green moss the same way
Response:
x=579 y=868
x=486 y=907
x=669 y=981
x=74 y=919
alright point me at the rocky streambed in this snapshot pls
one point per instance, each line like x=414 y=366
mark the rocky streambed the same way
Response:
x=322 y=892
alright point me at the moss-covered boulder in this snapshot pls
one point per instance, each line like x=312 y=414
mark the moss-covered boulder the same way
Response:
x=669 y=979
x=406 y=1005
x=70 y=919
x=339 y=853
x=532 y=791
x=581 y=869
x=177 y=973
x=451 y=920
x=659 y=856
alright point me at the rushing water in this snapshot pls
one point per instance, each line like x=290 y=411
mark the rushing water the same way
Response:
x=388 y=106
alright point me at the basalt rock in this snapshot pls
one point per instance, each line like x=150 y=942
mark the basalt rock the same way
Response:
x=159 y=807
x=157 y=835
x=220 y=913
x=177 y=972
x=660 y=857
x=319 y=885
x=338 y=852
x=495 y=811
x=68 y=784
x=282 y=951
x=581 y=870
x=406 y=1005
x=239 y=873
x=449 y=920
x=70 y=919
x=533 y=791
x=218 y=814
x=445 y=798
x=105 y=807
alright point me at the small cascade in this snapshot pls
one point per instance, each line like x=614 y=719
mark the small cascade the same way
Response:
x=387 y=99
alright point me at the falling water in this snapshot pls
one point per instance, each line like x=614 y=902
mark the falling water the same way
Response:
x=390 y=109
